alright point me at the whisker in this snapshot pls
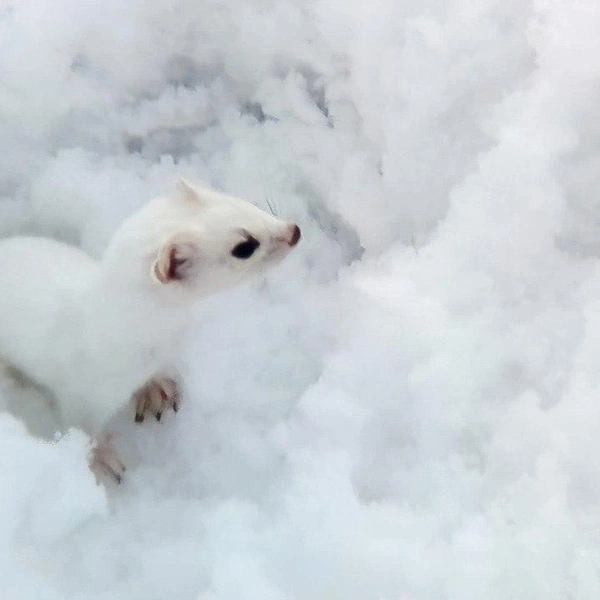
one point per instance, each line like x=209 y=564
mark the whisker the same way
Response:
x=271 y=206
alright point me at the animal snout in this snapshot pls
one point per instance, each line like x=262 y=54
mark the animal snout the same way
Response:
x=295 y=234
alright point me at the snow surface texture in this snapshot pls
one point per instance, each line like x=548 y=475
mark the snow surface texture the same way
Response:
x=408 y=408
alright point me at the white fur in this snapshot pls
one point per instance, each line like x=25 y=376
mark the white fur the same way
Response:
x=94 y=332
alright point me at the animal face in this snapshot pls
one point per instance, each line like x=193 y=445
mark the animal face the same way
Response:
x=215 y=241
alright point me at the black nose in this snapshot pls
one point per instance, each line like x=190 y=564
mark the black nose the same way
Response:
x=295 y=236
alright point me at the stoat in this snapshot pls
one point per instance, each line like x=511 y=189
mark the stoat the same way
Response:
x=101 y=333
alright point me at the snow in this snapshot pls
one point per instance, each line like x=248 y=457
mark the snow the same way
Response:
x=407 y=408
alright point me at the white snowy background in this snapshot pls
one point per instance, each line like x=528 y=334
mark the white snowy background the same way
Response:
x=409 y=407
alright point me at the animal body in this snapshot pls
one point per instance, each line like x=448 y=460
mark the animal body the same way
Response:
x=99 y=334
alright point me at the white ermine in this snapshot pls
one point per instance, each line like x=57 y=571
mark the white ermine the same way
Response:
x=99 y=334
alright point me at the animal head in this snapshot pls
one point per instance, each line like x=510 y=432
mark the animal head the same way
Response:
x=202 y=241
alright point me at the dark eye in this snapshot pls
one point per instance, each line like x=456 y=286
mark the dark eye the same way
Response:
x=245 y=249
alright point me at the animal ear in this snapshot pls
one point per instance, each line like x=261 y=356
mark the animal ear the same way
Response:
x=193 y=193
x=177 y=257
x=187 y=190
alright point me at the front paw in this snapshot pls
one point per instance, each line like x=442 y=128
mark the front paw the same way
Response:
x=156 y=396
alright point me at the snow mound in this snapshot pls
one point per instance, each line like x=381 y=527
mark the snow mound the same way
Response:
x=406 y=409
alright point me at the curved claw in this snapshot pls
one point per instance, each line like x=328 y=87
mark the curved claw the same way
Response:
x=104 y=460
x=156 y=396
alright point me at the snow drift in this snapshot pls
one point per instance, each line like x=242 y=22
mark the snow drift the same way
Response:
x=408 y=408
